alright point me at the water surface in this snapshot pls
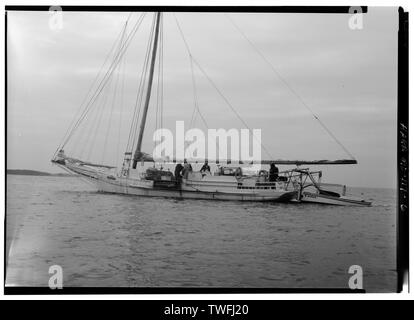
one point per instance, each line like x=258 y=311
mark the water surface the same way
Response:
x=112 y=240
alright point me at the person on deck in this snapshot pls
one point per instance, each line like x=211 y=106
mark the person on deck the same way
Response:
x=187 y=169
x=273 y=173
x=177 y=172
x=205 y=168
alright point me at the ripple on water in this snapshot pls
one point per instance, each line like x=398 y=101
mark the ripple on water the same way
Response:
x=115 y=240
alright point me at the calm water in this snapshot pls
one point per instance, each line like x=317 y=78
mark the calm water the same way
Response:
x=114 y=240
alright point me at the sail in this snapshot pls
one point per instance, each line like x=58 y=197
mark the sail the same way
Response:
x=145 y=157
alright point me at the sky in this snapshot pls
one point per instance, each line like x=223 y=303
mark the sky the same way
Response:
x=347 y=77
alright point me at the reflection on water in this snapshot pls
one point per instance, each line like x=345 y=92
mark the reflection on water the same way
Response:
x=115 y=240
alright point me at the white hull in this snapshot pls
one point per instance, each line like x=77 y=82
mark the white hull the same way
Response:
x=110 y=187
x=208 y=190
x=312 y=197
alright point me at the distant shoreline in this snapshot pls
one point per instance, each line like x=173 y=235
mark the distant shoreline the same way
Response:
x=24 y=172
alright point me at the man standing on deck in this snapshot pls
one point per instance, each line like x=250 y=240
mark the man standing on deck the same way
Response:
x=205 y=168
x=187 y=169
x=273 y=173
x=177 y=172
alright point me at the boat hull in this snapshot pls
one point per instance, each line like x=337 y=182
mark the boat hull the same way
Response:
x=310 y=197
x=281 y=196
x=146 y=188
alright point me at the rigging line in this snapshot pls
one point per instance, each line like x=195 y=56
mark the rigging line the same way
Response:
x=218 y=90
x=157 y=106
x=84 y=115
x=121 y=109
x=162 y=72
x=140 y=93
x=191 y=64
x=138 y=100
x=193 y=118
x=289 y=87
x=90 y=122
x=194 y=114
x=90 y=88
x=113 y=102
x=115 y=62
x=149 y=92
x=87 y=136
x=192 y=59
x=97 y=106
x=77 y=144
x=98 y=125
x=94 y=116
x=91 y=111
x=192 y=67
x=160 y=83
x=231 y=107
x=108 y=74
x=196 y=99
x=104 y=81
x=137 y=106
x=159 y=86
x=196 y=106
x=182 y=35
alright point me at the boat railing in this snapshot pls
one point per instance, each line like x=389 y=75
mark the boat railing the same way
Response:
x=300 y=178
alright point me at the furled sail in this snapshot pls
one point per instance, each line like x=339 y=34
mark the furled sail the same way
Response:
x=145 y=157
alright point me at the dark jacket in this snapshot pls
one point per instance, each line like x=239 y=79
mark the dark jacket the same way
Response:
x=205 y=167
x=273 y=173
x=178 y=168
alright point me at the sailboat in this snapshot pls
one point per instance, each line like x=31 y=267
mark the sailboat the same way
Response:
x=228 y=182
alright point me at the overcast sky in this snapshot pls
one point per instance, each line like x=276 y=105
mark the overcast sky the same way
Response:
x=348 y=77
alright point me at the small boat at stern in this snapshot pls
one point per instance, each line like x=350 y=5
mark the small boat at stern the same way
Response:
x=310 y=189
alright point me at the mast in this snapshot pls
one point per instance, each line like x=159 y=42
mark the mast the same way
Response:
x=137 y=153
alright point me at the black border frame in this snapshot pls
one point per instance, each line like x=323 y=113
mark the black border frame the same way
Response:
x=402 y=153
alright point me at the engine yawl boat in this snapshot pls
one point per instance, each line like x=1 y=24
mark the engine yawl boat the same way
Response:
x=311 y=189
x=226 y=183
